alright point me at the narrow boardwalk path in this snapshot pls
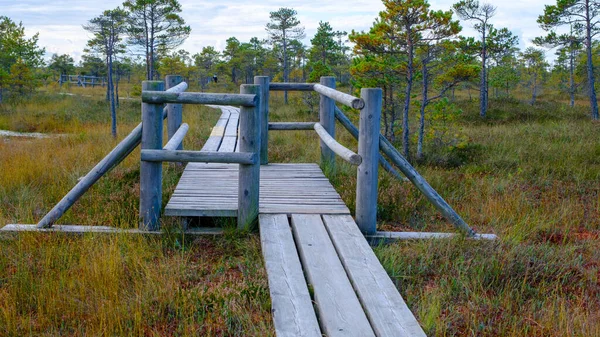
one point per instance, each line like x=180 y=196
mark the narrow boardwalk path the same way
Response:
x=309 y=241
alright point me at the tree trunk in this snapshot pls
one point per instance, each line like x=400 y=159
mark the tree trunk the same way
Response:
x=113 y=108
x=482 y=81
x=534 y=91
x=285 y=67
x=422 y=116
x=590 y=65
x=572 y=76
x=409 y=83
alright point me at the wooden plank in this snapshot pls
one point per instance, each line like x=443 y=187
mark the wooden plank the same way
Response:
x=232 y=127
x=228 y=144
x=340 y=311
x=388 y=313
x=293 y=313
x=78 y=229
x=212 y=144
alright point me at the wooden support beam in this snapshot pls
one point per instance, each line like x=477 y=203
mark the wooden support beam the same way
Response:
x=174 y=111
x=291 y=86
x=159 y=97
x=336 y=147
x=176 y=138
x=346 y=123
x=338 y=96
x=289 y=126
x=263 y=81
x=183 y=156
x=389 y=237
x=78 y=229
x=368 y=149
x=414 y=177
x=151 y=172
x=249 y=175
x=327 y=120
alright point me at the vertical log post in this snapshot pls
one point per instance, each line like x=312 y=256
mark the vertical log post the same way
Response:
x=151 y=172
x=264 y=82
x=327 y=120
x=249 y=176
x=368 y=149
x=174 y=111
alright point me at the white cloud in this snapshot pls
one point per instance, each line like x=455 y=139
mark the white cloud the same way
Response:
x=59 y=23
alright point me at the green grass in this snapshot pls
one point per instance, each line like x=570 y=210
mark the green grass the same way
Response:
x=529 y=174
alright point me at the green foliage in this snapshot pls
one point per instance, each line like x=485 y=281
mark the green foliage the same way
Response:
x=62 y=64
x=155 y=26
x=326 y=52
x=20 y=55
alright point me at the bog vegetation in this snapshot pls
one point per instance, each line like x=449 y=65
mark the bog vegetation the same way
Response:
x=510 y=140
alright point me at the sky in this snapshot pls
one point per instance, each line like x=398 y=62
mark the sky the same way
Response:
x=59 y=22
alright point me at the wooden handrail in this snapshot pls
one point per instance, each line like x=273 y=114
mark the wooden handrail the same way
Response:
x=177 y=139
x=338 y=96
x=181 y=156
x=161 y=97
x=336 y=147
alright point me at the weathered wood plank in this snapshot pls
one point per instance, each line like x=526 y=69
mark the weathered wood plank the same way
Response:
x=340 y=311
x=263 y=82
x=387 y=237
x=293 y=313
x=388 y=313
x=77 y=229
x=228 y=144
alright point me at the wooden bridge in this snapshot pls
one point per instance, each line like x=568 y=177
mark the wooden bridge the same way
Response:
x=309 y=238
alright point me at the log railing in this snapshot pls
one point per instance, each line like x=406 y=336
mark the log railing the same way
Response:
x=153 y=154
x=370 y=143
x=116 y=156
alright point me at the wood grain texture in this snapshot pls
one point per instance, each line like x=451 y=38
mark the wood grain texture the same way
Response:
x=212 y=190
x=249 y=175
x=264 y=92
x=151 y=172
x=327 y=120
x=340 y=312
x=367 y=172
x=388 y=313
x=176 y=139
x=292 y=308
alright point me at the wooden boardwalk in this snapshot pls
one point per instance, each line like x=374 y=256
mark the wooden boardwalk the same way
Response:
x=212 y=189
x=309 y=241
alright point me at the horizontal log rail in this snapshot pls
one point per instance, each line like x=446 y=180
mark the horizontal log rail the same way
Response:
x=289 y=126
x=116 y=156
x=353 y=130
x=336 y=147
x=415 y=178
x=340 y=97
x=182 y=156
x=291 y=86
x=177 y=138
x=161 y=97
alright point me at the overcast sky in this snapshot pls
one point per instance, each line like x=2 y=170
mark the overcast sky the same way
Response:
x=59 y=21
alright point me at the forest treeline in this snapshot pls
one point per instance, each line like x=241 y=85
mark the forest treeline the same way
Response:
x=417 y=55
